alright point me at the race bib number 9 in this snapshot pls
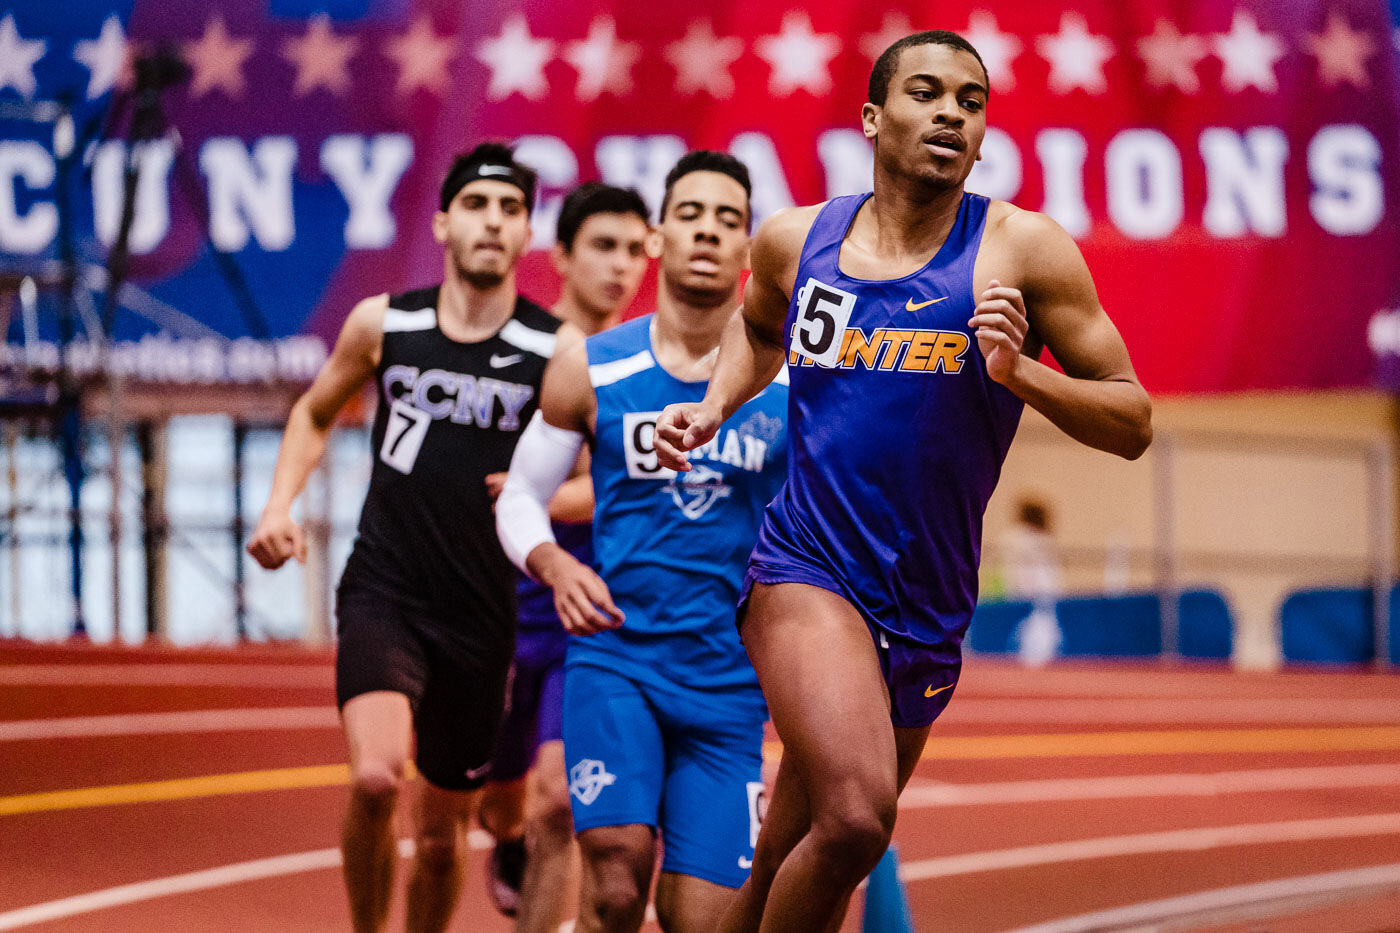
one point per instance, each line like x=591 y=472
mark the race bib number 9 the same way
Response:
x=639 y=446
x=822 y=315
x=403 y=436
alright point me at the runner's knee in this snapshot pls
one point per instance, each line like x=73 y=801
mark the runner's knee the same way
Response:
x=436 y=850
x=617 y=895
x=377 y=782
x=855 y=832
x=552 y=816
x=499 y=811
x=621 y=876
x=550 y=810
x=549 y=813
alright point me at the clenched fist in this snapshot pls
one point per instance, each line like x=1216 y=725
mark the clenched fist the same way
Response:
x=277 y=538
x=683 y=427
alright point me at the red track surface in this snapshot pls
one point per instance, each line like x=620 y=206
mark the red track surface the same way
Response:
x=1321 y=794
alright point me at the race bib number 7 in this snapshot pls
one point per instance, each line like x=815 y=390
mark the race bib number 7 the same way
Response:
x=403 y=436
x=823 y=312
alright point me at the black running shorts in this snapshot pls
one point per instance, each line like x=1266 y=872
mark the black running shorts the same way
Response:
x=457 y=694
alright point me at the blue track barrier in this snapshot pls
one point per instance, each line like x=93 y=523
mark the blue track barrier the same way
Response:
x=1114 y=626
x=1334 y=626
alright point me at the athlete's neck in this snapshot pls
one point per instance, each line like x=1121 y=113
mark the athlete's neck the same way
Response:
x=907 y=220
x=685 y=333
x=569 y=308
x=469 y=314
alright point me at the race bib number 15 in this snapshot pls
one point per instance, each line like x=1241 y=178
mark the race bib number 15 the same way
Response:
x=822 y=315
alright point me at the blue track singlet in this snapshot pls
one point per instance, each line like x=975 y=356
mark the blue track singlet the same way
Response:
x=898 y=436
x=672 y=547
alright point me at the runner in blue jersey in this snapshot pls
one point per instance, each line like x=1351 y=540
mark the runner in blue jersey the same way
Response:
x=599 y=253
x=663 y=717
x=911 y=320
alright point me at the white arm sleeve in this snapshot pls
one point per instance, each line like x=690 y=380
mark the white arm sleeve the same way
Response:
x=543 y=459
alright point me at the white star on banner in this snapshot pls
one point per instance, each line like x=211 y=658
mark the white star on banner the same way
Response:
x=17 y=58
x=1249 y=56
x=800 y=59
x=702 y=60
x=103 y=57
x=893 y=27
x=422 y=56
x=998 y=49
x=321 y=58
x=1341 y=53
x=217 y=60
x=516 y=60
x=602 y=62
x=1171 y=57
x=1076 y=56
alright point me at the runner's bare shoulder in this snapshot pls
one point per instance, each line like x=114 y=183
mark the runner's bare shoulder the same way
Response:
x=777 y=246
x=362 y=334
x=1024 y=231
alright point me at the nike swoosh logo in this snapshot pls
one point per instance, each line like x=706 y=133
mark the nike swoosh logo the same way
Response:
x=910 y=306
x=474 y=773
x=745 y=863
x=929 y=691
x=498 y=361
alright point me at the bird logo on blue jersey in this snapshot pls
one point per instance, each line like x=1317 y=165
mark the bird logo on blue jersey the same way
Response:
x=696 y=492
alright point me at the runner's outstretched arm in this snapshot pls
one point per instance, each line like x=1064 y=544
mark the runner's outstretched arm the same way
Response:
x=545 y=455
x=309 y=423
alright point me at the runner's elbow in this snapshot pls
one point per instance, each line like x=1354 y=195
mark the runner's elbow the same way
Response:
x=1137 y=436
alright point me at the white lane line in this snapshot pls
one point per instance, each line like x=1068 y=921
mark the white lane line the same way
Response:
x=1174 y=840
x=205 y=720
x=1280 y=893
x=968 y=711
x=1299 y=710
x=920 y=794
x=231 y=674
x=219 y=877
x=1185 y=840
x=176 y=884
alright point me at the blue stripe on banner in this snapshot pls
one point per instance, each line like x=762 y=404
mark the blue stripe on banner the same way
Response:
x=347 y=11
x=335 y=9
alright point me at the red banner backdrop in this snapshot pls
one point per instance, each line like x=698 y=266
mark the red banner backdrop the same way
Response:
x=1227 y=166
x=1228 y=169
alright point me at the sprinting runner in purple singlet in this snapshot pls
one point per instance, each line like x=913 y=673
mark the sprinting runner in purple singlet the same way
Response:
x=911 y=321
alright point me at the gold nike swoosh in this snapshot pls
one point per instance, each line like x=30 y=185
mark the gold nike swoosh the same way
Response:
x=910 y=306
x=929 y=691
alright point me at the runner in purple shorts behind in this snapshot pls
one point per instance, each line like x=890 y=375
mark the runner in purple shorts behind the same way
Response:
x=911 y=320
x=600 y=255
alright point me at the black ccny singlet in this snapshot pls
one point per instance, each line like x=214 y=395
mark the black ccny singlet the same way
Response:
x=449 y=413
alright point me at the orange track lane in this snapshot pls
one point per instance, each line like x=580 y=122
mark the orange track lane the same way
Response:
x=1306 y=769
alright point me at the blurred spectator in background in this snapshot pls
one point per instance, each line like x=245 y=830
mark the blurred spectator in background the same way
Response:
x=1031 y=570
x=1117 y=562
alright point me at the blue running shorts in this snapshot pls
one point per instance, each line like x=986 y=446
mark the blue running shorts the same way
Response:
x=687 y=763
